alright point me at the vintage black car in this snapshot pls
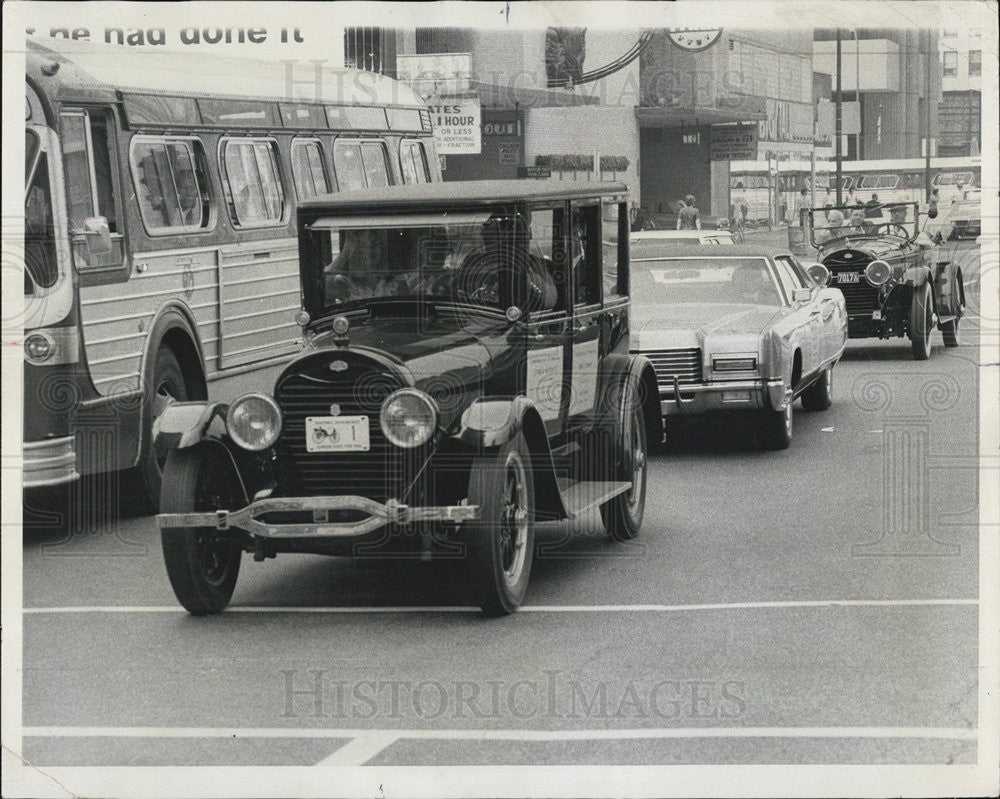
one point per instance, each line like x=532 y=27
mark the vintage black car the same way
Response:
x=895 y=279
x=466 y=373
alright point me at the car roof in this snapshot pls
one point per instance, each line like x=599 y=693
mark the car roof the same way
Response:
x=718 y=251
x=652 y=235
x=465 y=193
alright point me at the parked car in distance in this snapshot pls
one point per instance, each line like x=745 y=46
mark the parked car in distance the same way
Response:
x=466 y=373
x=737 y=328
x=652 y=240
x=895 y=279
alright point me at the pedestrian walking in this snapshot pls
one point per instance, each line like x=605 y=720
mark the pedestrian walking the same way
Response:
x=687 y=217
x=932 y=204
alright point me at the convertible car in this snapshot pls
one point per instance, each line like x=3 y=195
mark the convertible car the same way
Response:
x=735 y=328
x=895 y=278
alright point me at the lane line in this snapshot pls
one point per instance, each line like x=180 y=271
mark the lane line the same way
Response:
x=360 y=749
x=951 y=733
x=650 y=608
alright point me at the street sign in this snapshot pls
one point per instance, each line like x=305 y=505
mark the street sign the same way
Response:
x=457 y=124
x=733 y=143
x=534 y=172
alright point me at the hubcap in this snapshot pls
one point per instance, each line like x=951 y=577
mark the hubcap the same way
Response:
x=513 y=520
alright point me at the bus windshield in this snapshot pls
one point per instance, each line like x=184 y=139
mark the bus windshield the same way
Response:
x=41 y=268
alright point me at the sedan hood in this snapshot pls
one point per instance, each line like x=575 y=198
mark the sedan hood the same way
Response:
x=705 y=319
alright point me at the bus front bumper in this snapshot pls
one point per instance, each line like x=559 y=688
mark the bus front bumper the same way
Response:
x=48 y=463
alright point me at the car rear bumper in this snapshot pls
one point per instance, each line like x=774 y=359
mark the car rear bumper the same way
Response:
x=731 y=395
x=377 y=515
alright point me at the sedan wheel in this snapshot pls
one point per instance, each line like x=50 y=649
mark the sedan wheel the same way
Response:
x=774 y=428
x=819 y=396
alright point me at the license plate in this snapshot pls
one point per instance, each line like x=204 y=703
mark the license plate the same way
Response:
x=848 y=277
x=337 y=434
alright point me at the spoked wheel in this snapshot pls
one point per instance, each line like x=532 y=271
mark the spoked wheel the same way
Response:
x=622 y=515
x=921 y=322
x=202 y=562
x=774 y=428
x=819 y=396
x=949 y=330
x=502 y=539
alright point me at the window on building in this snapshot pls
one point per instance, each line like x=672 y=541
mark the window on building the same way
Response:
x=307 y=168
x=950 y=63
x=975 y=63
x=252 y=182
x=949 y=33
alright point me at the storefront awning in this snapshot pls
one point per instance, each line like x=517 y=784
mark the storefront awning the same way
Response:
x=737 y=109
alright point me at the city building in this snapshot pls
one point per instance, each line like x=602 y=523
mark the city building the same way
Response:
x=959 y=112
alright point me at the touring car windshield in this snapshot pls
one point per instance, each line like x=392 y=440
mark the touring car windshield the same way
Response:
x=891 y=219
x=703 y=280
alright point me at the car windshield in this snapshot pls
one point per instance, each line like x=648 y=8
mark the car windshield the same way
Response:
x=475 y=259
x=874 y=219
x=744 y=281
x=965 y=209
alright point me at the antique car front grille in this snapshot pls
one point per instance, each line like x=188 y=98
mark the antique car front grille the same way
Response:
x=860 y=297
x=374 y=474
x=685 y=365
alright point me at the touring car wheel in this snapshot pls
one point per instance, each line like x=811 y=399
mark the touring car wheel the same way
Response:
x=501 y=540
x=774 y=428
x=819 y=396
x=202 y=562
x=921 y=322
x=622 y=515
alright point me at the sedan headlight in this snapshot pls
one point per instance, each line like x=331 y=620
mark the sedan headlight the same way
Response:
x=877 y=273
x=254 y=422
x=746 y=364
x=409 y=418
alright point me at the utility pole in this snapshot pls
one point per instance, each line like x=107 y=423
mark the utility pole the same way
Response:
x=838 y=135
x=927 y=102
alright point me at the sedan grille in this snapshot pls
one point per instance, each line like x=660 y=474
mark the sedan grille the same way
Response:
x=685 y=365
x=373 y=474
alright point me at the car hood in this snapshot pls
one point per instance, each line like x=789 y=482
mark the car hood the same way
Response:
x=681 y=325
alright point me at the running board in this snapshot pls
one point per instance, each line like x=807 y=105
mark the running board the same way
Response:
x=582 y=496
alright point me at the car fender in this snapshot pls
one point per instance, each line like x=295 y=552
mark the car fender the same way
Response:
x=185 y=424
x=619 y=370
x=491 y=422
x=916 y=276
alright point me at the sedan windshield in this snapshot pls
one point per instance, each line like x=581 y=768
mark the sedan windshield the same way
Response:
x=745 y=281
x=487 y=261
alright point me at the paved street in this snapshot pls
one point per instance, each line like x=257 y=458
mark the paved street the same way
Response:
x=816 y=605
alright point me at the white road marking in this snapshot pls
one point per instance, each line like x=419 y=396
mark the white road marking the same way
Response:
x=366 y=744
x=652 y=608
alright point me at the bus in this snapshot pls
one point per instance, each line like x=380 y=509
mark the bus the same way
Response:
x=160 y=249
x=893 y=180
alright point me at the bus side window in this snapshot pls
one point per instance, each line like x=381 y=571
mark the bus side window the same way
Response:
x=171 y=184
x=252 y=183
x=347 y=162
x=413 y=162
x=308 y=172
x=90 y=176
x=376 y=164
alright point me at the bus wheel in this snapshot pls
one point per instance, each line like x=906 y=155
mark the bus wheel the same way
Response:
x=202 y=562
x=167 y=385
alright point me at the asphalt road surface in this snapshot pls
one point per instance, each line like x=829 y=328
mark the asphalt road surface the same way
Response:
x=817 y=605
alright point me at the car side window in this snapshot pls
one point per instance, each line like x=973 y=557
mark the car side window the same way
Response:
x=546 y=247
x=789 y=277
x=585 y=254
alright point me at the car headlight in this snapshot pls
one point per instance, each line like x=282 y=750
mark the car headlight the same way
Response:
x=819 y=274
x=408 y=418
x=877 y=273
x=254 y=422
x=745 y=364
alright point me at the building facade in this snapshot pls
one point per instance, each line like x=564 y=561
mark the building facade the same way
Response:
x=960 y=110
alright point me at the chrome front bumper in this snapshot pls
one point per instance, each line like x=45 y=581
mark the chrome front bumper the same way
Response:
x=392 y=512
x=49 y=462
x=722 y=396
